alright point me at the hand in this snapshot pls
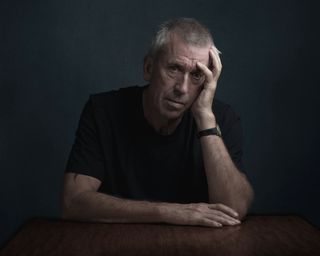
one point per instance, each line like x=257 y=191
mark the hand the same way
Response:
x=202 y=107
x=201 y=214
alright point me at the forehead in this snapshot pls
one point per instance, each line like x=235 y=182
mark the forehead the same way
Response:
x=179 y=51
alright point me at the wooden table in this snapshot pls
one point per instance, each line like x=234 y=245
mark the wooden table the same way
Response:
x=257 y=235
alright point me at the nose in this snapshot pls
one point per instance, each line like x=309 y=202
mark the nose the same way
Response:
x=181 y=85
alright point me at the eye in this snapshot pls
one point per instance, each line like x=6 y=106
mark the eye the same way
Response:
x=173 y=68
x=197 y=75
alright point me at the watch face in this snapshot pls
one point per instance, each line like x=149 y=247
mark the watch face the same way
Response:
x=219 y=131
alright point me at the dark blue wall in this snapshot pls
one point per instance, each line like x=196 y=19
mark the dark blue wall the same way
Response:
x=53 y=54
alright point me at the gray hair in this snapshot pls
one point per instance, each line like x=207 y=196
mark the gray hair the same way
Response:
x=188 y=29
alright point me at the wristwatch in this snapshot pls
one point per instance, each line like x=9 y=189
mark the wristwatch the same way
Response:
x=212 y=131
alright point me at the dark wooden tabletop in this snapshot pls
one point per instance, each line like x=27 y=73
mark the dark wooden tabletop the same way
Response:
x=257 y=235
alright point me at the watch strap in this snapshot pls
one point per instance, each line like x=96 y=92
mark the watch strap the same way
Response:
x=210 y=131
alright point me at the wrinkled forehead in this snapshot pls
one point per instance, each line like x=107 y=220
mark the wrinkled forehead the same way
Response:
x=178 y=51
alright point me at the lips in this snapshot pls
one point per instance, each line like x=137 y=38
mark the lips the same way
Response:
x=176 y=102
x=175 y=105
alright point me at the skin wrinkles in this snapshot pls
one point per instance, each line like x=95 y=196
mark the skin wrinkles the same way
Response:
x=168 y=97
x=173 y=88
x=184 y=69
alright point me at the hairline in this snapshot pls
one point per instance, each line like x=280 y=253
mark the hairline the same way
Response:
x=197 y=36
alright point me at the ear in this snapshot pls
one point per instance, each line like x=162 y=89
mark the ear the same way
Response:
x=147 y=68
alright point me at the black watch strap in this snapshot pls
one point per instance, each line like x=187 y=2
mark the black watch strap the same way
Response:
x=211 y=131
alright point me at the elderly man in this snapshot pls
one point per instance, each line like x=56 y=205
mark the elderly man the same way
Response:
x=166 y=152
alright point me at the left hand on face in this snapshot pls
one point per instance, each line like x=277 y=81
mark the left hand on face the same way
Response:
x=202 y=106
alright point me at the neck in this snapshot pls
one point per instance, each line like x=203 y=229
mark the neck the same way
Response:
x=162 y=125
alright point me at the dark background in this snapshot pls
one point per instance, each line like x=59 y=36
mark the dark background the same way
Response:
x=53 y=54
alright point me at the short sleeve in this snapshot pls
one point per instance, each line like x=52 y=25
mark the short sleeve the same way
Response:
x=232 y=136
x=86 y=154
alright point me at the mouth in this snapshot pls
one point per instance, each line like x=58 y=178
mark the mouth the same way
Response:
x=175 y=101
x=175 y=104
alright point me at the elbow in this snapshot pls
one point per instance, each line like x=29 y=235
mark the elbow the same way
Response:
x=242 y=213
x=74 y=207
x=239 y=203
x=244 y=206
x=67 y=207
x=65 y=210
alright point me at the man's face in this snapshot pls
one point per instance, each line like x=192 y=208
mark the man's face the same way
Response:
x=175 y=80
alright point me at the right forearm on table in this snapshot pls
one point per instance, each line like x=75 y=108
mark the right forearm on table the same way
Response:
x=95 y=206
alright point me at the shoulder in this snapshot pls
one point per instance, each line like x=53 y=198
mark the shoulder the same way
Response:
x=115 y=100
x=113 y=97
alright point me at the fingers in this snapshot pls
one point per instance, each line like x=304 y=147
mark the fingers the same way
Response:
x=223 y=208
x=214 y=57
x=210 y=223
x=222 y=218
x=212 y=72
x=211 y=215
x=216 y=215
x=206 y=71
x=221 y=214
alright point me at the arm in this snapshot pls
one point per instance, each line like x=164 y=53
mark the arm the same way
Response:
x=226 y=184
x=81 y=201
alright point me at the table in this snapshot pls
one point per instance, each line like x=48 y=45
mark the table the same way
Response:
x=257 y=235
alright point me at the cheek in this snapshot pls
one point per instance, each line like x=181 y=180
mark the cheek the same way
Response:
x=166 y=80
x=159 y=79
x=196 y=91
x=164 y=83
x=160 y=87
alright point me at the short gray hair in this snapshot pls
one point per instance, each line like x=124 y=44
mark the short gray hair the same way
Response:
x=189 y=30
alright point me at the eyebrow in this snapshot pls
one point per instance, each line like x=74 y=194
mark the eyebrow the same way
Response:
x=182 y=66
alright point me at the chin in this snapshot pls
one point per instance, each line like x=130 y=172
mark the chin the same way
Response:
x=172 y=115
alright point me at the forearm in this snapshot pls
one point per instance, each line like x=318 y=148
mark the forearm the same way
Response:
x=95 y=206
x=225 y=183
x=81 y=201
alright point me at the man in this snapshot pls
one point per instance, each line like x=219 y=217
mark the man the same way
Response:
x=155 y=153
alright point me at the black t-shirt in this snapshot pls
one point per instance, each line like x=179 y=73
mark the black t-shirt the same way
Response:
x=115 y=144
